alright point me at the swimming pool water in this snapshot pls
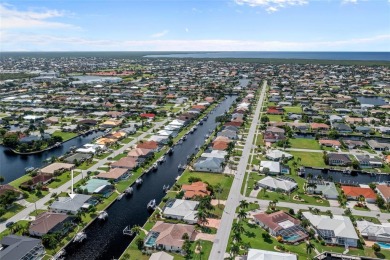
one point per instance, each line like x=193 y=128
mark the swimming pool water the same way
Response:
x=291 y=238
x=384 y=245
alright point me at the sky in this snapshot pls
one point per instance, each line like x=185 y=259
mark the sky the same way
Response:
x=189 y=25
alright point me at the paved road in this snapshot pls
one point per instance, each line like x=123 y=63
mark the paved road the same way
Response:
x=222 y=236
x=383 y=217
x=40 y=204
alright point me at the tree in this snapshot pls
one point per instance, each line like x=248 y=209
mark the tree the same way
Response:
x=136 y=229
x=2 y=179
x=198 y=247
x=205 y=203
x=380 y=201
x=218 y=189
x=237 y=237
x=201 y=216
x=140 y=243
x=309 y=247
x=244 y=204
x=234 y=250
x=241 y=214
x=376 y=248
x=237 y=227
x=11 y=140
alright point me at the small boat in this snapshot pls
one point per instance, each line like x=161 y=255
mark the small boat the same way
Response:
x=120 y=196
x=182 y=167
x=184 y=137
x=80 y=237
x=206 y=136
x=195 y=127
x=103 y=215
x=29 y=169
x=170 y=151
x=139 y=181
x=166 y=188
x=180 y=141
x=59 y=255
x=154 y=167
x=127 y=231
x=129 y=191
x=73 y=147
x=151 y=205
x=201 y=122
x=196 y=147
x=179 y=166
x=58 y=144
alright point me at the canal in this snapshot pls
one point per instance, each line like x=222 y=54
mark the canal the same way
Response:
x=12 y=166
x=105 y=239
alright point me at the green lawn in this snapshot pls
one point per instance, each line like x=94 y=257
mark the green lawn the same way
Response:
x=14 y=209
x=63 y=178
x=304 y=143
x=295 y=110
x=275 y=118
x=309 y=159
x=33 y=197
x=65 y=135
x=212 y=178
x=85 y=165
x=127 y=140
x=119 y=156
x=7 y=232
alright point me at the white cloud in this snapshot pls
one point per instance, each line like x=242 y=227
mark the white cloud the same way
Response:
x=349 y=1
x=13 y=42
x=159 y=34
x=272 y=5
x=12 y=18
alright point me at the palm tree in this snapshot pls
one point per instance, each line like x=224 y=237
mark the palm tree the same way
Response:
x=237 y=227
x=136 y=229
x=237 y=237
x=244 y=204
x=309 y=247
x=242 y=214
x=205 y=203
x=218 y=189
x=234 y=250
x=201 y=216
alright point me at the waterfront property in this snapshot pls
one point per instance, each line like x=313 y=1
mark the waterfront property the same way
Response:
x=49 y=222
x=374 y=232
x=195 y=189
x=257 y=254
x=326 y=189
x=57 y=168
x=71 y=205
x=182 y=210
x=384 y=191
x=98 y=186
x=277 y=184
x=354 y=193
x=281 y=224
x=168 y=236
x=21 y=247
x=337 y=230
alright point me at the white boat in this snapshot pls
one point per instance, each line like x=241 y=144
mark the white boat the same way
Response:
x=120 y=196
x=59 y=255
x=154 y=167
x=179 y=166
x=80 y=237
x=152 y=204
x=139 y=181
x=129 y=190
x=29 y=169
x=180 y=141
x=166 y=188
x=103 y=215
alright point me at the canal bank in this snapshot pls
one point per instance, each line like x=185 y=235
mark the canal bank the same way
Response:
x=13 y=166
x=105 y=239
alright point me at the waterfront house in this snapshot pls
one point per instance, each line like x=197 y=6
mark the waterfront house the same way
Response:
x=6 y=188
x=337 y=230
x=335 y=118
x=384 y=191
x=195 y=189
x=211 y=164
x=374 y=232
x=336 y=159
x=184 y=210
x=42 y=179
x=378 y=146
x=91 y=148
x=366 y=161
x=257 y=254
x=77 y=158
x=325 y=188
x=20 y=247
x=98 y=186
x=70 y=205
x=276 y=184
x=49 y=222
x=115 y=174
x=352 y=144
x=160 y=256
x=140 y=154
x=281 y=224
x=169 y=236
x=354 y=193
x=232 y=135
x=150 y=145
x=319 y=127
x=277 y=155
x=57 y=168
x=125 y=162
x=330 y=143
x=342 y=128
x=273 y=167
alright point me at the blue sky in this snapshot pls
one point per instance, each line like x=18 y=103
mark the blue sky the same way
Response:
x=202 y=25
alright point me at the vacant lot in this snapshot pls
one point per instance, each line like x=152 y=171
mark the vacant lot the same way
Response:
x=303 y=143
x=309 y=159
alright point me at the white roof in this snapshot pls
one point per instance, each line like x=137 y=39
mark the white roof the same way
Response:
x=276 y=183
x=272 y=166
x=183 y=208
x=256 y=254
x=340 y=225
x=277 y=154
x=177 y=122
x=161 y=256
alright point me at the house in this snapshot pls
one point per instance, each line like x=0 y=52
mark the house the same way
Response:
x=374 y=232
x=195 y=189
x=21 y=247
x=338 y=230
x=184 y=210
x=366 y=161
x=325 y=188
x=281 y=224
x=354 y=193
x=160 y=256
x=229 y=134
x=342 y=128
x=6 y=188
x=169 y=236
x=57 y=167
x=147 y=115
x=98 y=186
x=352 y=144
x=211 y=164
x=329 y=143
x=277 y=155
x=125 y=162
x=319 y=127
x=339 y=159
x=384 y=191
x=49 y=222
x=140 y=154
x=42 y=179
x=378 y=146
x=335 y=118
x=150 y=145
x=363 y=129
x=273 y=134
x=273 y=167
x=70 y=205
x=256 y=254
x=115 y=174
x=276 y=184
x=91 y=148
x=78 y=158
x=214 y=153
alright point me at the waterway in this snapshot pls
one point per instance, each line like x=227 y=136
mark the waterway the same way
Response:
x=105 y=239
x=12 y=166
x=376 y=101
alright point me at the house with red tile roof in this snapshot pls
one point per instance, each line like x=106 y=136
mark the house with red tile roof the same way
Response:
x=319 y=126
x=125 y=162
x=151 y=145
x=195 y=189
x=147 y=115
x=384 y=191
x=353 y=193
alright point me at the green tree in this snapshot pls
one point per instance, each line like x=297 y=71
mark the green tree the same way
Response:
x=244 y=204
x=309 y=247
x=242 y=214
x=201 y=216
x=376 y=248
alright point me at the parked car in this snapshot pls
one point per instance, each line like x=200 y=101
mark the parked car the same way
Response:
x=9 y=224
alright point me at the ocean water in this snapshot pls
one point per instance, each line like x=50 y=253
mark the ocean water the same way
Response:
x=367 y=56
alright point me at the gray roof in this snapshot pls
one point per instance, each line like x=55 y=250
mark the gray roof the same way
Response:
x=16 y=247
x=182 y=208
x=328 y=189
x=69 y=204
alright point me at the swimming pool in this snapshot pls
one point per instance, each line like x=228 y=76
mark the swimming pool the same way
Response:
x=291 y=238
x=384 y=245
x=151 y=239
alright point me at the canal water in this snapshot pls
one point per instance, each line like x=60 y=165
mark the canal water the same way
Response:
x=105 y=239
x=376 y=101
x=12 y=166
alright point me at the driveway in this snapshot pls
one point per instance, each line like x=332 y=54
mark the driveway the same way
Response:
x=207 y=237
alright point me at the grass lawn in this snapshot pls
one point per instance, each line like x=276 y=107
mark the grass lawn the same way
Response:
x=309 y=159
x=65 y=135
x=371 y=219
x=14 y=209
x=7 y=232
x=16 y=183
x=212 y=178
x=253 y=178
x=119 y=156
x=295 y=110
x=33 y=197
x=259 y=139
x=102 y=155
x=304 y=143
x=361 y=208
x=85 y=165
x=63 y=178
x=127 y=140
x=275 y=118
